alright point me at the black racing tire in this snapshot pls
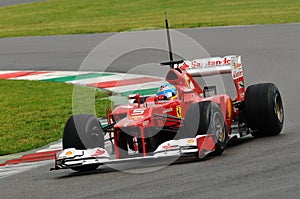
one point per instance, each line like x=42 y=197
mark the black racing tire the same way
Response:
x=264 y=113
x=206 y=118
x=122 y=139
x=85 y=168
x=82 y=132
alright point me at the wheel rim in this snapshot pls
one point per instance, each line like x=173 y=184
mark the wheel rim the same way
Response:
x=94 y=136
x=92 y=128
x=93 y=131
x=278 y=108
x=219 y=128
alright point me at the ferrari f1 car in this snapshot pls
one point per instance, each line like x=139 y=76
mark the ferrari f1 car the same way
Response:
x=181 y=120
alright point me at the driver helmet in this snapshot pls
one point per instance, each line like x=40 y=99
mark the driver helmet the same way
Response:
x=167 y=90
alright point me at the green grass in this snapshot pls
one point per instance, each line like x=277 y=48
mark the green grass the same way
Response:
x=90 y=16
x=33 y=113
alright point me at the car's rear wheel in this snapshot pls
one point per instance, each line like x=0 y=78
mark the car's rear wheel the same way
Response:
x=82 y=132
x=206 y=118
x=264 y=111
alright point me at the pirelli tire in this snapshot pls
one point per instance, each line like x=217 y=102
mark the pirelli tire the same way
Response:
x=264 y=113
x=206 y=118
x=122 y=139
x=85 y=168
x=82 y=132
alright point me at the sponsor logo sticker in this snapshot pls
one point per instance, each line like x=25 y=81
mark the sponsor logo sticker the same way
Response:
x=178 y=111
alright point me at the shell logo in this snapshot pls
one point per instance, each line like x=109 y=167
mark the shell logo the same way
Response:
x=190 y=141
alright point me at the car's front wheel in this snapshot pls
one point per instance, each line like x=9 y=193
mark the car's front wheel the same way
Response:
x=83 y=132
x=85 y=168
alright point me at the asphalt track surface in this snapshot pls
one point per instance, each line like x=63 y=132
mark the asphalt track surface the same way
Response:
x=253 y=168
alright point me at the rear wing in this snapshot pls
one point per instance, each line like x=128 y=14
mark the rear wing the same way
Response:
x=216 y=66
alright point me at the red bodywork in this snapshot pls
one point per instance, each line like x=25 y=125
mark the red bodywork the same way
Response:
x=139 y=119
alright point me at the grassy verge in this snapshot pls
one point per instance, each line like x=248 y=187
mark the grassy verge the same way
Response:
x=33 y=113
x=90 y=16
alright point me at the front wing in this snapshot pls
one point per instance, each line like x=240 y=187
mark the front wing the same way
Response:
x=200 y=146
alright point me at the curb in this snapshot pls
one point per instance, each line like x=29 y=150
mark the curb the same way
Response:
x=45 y=153
x=36 y=157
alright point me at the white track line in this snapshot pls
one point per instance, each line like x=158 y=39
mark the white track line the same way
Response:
x=133 y=87
x=114 y=77
x=50 y=75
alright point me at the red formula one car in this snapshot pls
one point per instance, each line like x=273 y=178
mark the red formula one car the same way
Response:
x=182 y=119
